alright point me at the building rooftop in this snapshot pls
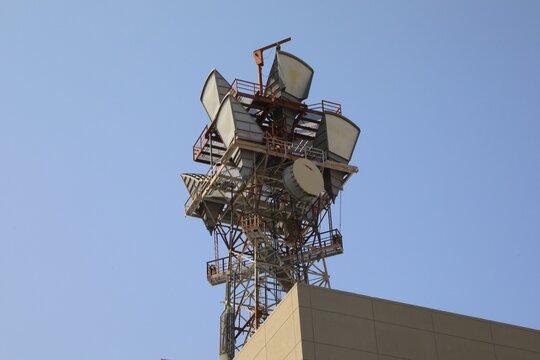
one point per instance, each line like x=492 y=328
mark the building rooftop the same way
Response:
x=313 y=323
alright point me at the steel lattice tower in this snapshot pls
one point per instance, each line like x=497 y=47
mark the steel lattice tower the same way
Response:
x=276 y=166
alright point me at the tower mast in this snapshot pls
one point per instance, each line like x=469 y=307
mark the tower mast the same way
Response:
x=275 y=168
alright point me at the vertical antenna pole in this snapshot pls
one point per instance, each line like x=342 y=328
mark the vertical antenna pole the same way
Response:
x=259 y=60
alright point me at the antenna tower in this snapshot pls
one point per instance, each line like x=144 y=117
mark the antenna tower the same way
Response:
x=276 y=166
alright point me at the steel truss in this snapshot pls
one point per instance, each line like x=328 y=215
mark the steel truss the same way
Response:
x=265 y=241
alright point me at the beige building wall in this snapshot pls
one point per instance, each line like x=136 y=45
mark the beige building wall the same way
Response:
x=313 y=323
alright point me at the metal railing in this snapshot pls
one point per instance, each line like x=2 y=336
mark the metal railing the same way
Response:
x=304 y=149
x=246 y=87
x=326 y=106
x=200 y=143
x=218 y=269
x=251 y=222
x=330 y=237
x=207 y=146
x=329 y=243
x=300 y=149
x=252 y=89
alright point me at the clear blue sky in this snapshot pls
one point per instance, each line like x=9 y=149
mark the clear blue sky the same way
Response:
x=99 y=109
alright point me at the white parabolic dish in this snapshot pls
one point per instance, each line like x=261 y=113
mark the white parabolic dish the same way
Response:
x=303 y=179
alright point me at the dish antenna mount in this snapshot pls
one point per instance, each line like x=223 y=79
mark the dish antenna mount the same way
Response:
x=259 y=59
